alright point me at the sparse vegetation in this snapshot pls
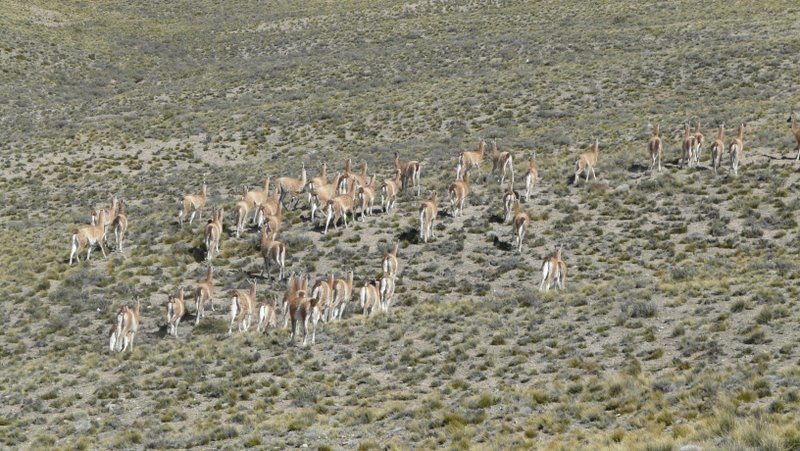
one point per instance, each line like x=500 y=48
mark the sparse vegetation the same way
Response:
x=675 y=328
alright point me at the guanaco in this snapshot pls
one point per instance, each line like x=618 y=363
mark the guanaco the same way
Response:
x=427 y=216
x=87 y=237
x=531 y=177
x=176 y=308
x=120 y=224
x=411 y=172
x=320 y=194
x=656 y=148
x=267 y=315
x=688 y=147
x=323 y=292
x=342 y=293
x=718 y=148
x=389 y=190
x=275 y=220
x=389 y=263
x=273 y=251
x=458 y=194
x=370 y=297
x=292 y=186
x=256 y=198
x=127 y=325
x=587 y=161
x=243 y=305
x=367 y=196
x=242 y=210
x=509 y=198
x=213 y=234
x=340 y=206
x=521 y=221
x=386 y=284
x=471 y=159
x=501 y=162
x=736 y=150
x=194 y=203
x=554 y=270
x=302 y=308
x=204 y=293
x=699 y=140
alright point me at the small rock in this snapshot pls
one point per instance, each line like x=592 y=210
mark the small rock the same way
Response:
x=691 y=448
x=623 y=187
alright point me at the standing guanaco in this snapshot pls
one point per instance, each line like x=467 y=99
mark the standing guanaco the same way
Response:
x=213 y=234
x=587 y=161
x=176 y=308
x=411 y=172
x=458 y=194
x=531 y=177
x=688 y=147
x=502 y=161
x=656 y=148
x=509 y=197
x=202 y=294
x=554 y=270
x=120 y=224
x=292 y=186
x=718 y=148
x=471 y=159
x=427 y=216
x=389 y=263
x=389 y=190
x=273 y=251
x=521 y=221
x=194 y=203
x=243 y=305
x=699 y=140
x=736 y=150
x=90 y=235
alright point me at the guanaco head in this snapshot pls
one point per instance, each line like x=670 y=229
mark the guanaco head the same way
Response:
x=394 y=249
x=657 y=131
x=596 y=146
x=741 y=131
x=363 y=168
x=697 y=126
x=209 y=273
x=252 y=283
x=721 y=133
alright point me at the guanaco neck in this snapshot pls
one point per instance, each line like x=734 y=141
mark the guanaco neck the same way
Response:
x=697 y=127
x=740 y=135
x=721 y=134
x=208 y=275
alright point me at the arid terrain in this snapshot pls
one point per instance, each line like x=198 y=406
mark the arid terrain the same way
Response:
x=677 y=326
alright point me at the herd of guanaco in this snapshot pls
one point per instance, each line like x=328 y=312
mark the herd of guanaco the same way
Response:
x=336 y=198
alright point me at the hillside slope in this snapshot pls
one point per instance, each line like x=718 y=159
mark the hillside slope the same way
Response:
x=677 y=324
